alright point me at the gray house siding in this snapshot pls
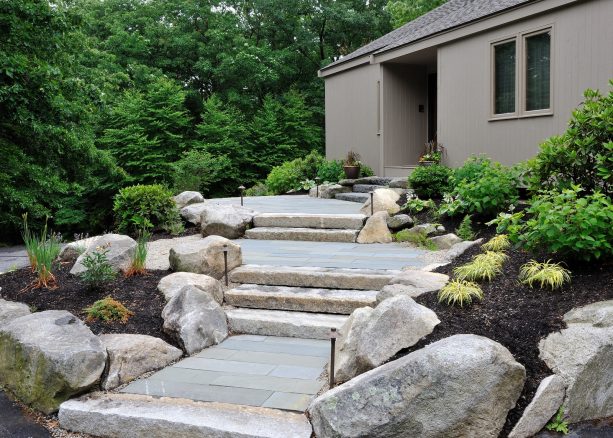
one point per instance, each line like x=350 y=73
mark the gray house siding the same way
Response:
x=582 y=57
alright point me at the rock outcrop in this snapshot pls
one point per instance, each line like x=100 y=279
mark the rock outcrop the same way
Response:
x=205 y=256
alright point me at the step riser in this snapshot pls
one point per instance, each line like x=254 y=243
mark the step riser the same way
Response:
x=302 y=234
x=342 y=222
x=366 y=188
x=353 y=197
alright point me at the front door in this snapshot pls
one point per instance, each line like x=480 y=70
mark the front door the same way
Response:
x=431 y=106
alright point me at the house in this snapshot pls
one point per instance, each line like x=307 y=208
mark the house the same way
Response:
x=491 y=77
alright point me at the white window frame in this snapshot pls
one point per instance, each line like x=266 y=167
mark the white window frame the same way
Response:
x=520 y=74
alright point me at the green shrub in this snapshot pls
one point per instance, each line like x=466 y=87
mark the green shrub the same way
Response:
x=465 y=230
x=98 y=271
x=482 y=187
x=259 y=189
x=290 y=175
x=416 y=205
x=141 y=206
x=459 y=292
x=430 y=181
x=331 y=171
x=471 y=170
x=583 y=155
x=545 y=274
x=365 y=171
x=199 y=171
x=108 y=309
x=567 y=224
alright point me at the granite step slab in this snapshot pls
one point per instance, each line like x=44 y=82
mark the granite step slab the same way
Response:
x=339 y=301
x=303 y=234
x=313 y=277
x=353 y=197
x=303 y=220
x=365 y=188
x=283 y=323
x=142 y=416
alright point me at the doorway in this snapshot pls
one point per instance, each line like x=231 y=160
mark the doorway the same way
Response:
x=432 y=110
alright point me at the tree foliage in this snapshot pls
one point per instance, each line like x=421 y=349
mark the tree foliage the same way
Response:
x=403 y=11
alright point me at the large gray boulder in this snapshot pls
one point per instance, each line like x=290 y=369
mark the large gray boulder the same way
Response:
x=393 y=290
x=47 y=357
x=445 y=241
x=194 y=319
x=373 y=336
x=460 y=248
x=71 y=251
x=205 y=256
x=420 y=282
x=230 y=221
x=120 y=252
x=400 y=222
x=130 y=356
x=544 y=405
x=188 y=198
x=461 y=386
x=582 y=354
x=191 y=213
x=375 y=230
x=384 y=200
x=173 y=283
x=328 y=191
x=10 y=310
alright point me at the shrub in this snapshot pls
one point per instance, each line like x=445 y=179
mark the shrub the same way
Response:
x=98 y=269
x=290 y=175
x=499 y=243
x=108 y=309
x=567 y=224
x=366 y=171
x=141 y=206
x=545 y=274
x=418 y=239
x=331 y=171
x=471 y=170
x=482 y=267
x=259 y=189
x=416 y=205
x=482 y=187
x=430 y=181
x=459 y=292
x=583 y=155
x=465 y=230
x=137 y=264
x=199 y=171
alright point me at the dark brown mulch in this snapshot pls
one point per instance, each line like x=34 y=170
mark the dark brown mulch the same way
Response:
x=517 y=316
x=190 y=230
x=138 y=293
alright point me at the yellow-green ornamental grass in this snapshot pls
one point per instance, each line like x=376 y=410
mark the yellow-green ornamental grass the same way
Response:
x=497 y=243
x=482 y=267
x=460 y=292
x=545 y=275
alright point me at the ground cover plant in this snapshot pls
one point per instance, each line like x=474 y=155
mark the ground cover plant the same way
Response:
x=459 y=292
x=418 y=239
x=108 y=309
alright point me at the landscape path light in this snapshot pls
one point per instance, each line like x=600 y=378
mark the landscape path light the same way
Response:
x=242 y=189
x=333 y=336
x=317 y=179
x=372 y=203
x=225 y=262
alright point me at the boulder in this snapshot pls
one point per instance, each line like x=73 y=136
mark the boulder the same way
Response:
x=120 y=252
x=10 y=310
x=373 y=336
x=187 y=198
x=544 y=405
x=399 y=222
x=191 y=213
x=461 y=386
x=375 y=230
x=130 y=356
x=384 y=200
x=582 y=354
x=71 y=251
x=230 y=221
x=374 y=180
x=399 y=183
x=205 y=256
x=460 y=248
x=328 y=191
x=173 y=283
x=194 y=319
x=393 y=290
x=445 y=241
x=420 y=282
x=47 y=357
x=347 y=182
x=424 y=229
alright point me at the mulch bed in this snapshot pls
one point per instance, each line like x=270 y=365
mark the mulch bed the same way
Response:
x=138 y=293
x=517 y=316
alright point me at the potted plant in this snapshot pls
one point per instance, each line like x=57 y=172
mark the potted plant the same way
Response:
x=351 y=165
x=433 y=153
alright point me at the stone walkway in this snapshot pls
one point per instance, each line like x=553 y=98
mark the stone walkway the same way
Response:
x=272 y=372
x=13 y=257
x=14 y=424
x=293 y=204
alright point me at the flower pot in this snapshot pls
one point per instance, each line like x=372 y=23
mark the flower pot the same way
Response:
x=352 y=172
x=427 y=163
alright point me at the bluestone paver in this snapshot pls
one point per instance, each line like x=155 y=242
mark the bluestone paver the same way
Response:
x=288 y=401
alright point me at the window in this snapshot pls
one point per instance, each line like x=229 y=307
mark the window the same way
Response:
x=521 y=75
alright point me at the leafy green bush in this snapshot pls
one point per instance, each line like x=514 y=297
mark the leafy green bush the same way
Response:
x=482 y=187
x=583 y=155
x=331 y=171
x=416 y=205
x=98 y=269
x=108 y=309
x=430 y=181
x=199 y=171
x=290 y=175
x=259 y=189
x=570 y=225
x=140 y=206
x=365 y=171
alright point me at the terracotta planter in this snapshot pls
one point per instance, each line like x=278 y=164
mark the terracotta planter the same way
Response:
x=352 y=172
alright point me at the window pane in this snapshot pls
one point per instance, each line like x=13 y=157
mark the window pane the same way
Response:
x=504 y=78
x=538 y=71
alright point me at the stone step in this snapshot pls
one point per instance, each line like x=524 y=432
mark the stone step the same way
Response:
x=283 y=323
x=143 y=416
x=302 y=299
x=316 y=277
x=303 y=220
x=365 y=188
x=308 y=234
x=353 y=197
x=376 y=180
